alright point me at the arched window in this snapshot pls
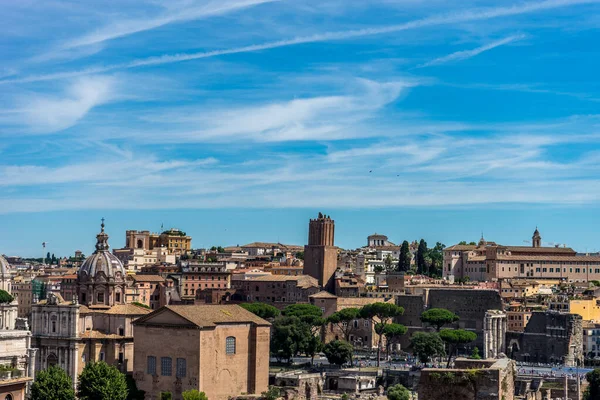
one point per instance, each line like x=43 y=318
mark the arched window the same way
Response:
x=140 y=244
x=8 y=397
x=230 y=345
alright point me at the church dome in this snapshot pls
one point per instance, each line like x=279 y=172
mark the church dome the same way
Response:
x=102 y=265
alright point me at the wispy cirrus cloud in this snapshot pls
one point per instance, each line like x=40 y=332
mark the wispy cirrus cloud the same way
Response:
x=44 y=113
x=176 y=12
x=472 y=15
x=466 y=54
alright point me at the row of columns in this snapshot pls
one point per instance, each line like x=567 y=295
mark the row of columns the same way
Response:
x=494 y=333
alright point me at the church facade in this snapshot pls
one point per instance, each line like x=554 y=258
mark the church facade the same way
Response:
x=95 y=325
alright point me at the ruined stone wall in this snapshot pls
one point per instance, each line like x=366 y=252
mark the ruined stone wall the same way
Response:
x=548 y=337
x=495 y=383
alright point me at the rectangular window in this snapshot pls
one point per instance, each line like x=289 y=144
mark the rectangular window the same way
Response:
x=181 y=368
x=101 y=297
x=165 y=366
x=101 y=356
x=151 y=369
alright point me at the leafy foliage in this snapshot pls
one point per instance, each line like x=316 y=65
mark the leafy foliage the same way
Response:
x=475 y=354
x=593 y=390
x=133 y=393
x=307 y=313
x=456 y=337
x=262 y=310
x=100 y=381
x=137 y=303
x=427 y=345
x=5 y=297
x=398 y=392
x=436 y=254
x=343 y=320
x=193 y=394
x=290 y=337
x=166 y=396
x=380 y=314
x=438 y=317
x=52 y=384
x=338 y=352
x=405 y=257
x=421 y=254
x=271 y=394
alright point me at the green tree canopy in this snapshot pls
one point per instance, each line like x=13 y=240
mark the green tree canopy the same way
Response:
x=405 y=257
x=193 y=394
x=475 y=353
x=593 y=390
x=392 y=333
x=271 y=394
x=262 y=310
x=5 y=297
x=380 y=315
x=426 y=346
x=100 y=381
x=338 y=352
x=52 y=384
x=438 y=317
x=308 y=313
x=290 y=336
x=436 y=254
x=343 y=320
x=133 y=393
x=398 y=392
x=455 y=338
x=421 y=257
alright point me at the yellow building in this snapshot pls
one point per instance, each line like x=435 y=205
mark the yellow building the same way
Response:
x=589 y=309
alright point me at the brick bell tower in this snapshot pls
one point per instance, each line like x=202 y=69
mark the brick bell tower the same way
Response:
x=320 y=255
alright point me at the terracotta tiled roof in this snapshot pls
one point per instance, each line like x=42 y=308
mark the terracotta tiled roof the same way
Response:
x=127 y=309
x=529 y=249
x=119 y=309
x=147 y=278
x=461 y=247
x=323 y=295
x=93 y=334
x=303 y=281
x=208 y=315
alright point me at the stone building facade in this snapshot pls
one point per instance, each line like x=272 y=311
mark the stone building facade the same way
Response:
x=488 y=261
x=93 y=326
x=16 y=350
x=277 y=290
x=320 y=254
x=221 y=350
x=549 y=337
x=470 y=380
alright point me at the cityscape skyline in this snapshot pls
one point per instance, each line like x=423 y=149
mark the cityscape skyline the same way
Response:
x=240 y=226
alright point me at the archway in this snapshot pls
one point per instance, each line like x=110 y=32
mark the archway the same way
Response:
x=140 y=244
x=51 y=360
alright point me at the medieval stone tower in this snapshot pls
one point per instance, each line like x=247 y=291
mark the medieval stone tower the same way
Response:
x=320 y=255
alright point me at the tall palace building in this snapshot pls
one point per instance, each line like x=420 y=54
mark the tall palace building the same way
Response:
x=488 y=261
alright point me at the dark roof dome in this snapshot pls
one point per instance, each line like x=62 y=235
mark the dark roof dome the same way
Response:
x=102 y=261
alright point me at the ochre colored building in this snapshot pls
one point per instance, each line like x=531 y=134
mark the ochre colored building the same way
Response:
x=221 y=350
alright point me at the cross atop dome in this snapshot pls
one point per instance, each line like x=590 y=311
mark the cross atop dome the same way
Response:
x=102 y=239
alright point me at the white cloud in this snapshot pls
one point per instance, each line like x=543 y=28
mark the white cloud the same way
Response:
x=436 y=20
x=175 y=14
x=465 y=54
x=315 y=118
x=44 y=113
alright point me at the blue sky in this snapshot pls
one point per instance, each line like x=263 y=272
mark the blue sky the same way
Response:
x=236 y=120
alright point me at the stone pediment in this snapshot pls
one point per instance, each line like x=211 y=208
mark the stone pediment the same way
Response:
x=165 y=317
